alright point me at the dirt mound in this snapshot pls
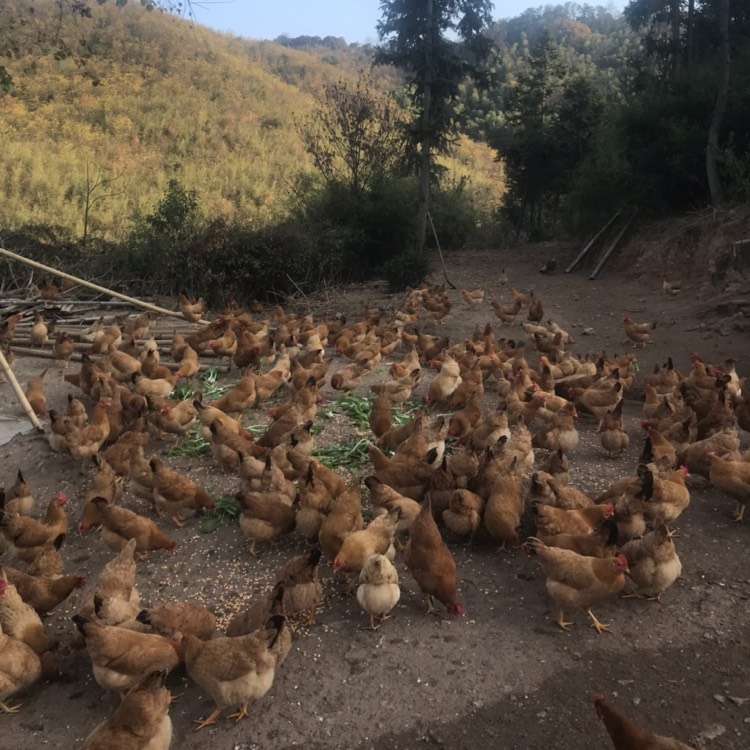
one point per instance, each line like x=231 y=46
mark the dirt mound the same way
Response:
x=709 y=251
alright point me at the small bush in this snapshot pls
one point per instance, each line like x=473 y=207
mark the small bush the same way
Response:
x=408 y=269
x=454 y=215
x=366 y=229
x=155 y=251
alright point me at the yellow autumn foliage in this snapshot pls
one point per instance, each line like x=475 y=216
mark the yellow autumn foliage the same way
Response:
x=142 y=97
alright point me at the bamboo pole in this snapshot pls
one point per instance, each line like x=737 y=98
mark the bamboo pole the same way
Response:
x=48 y=304
x=591 y=242
x=86 y=345
x=77 y=357
x=95 y=287
x=612 y=247
x=19 y=393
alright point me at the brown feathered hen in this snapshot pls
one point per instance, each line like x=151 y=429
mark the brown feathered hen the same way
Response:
x=432 y=564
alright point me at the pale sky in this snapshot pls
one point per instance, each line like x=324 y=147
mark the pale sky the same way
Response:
x=355 y=20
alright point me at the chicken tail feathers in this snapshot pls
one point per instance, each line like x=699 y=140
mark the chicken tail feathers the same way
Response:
x=610 y=526
x=276 y=623
x=314 y=556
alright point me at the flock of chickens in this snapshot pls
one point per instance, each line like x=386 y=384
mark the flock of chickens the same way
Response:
x=468 y=469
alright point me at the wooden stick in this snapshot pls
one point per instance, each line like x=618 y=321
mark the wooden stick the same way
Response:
x=95 y=287
x=612 y=247
x=49 y=304
x=591 y=242
x=77 y=357
x=19 y=393
x=86 y=345
x=440 y=252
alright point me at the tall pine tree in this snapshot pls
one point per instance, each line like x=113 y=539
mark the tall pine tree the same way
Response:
x=415 y=39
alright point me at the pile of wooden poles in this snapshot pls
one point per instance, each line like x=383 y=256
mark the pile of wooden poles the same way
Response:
x=75 y=324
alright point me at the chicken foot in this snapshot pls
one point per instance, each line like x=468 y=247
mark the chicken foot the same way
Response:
x=431 y=606
x=9 y=709
x=351 y=586
x=242 y=713
x=562 y=622
x=383 y=618
x=656 y=598
x=600 y=627
x=739 y=512
x=209 y=721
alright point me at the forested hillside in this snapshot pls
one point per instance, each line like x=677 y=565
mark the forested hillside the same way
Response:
x=592 y=111
x=142 y=133
x=108 y=109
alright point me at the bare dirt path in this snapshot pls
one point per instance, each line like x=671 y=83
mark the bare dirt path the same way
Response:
x=503 y=675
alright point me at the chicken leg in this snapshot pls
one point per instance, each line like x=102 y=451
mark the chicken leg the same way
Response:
x=310 y=617
x=209 y=721
x=242 y=713
x=10 y=709
x=431 y=607
x=599 y=626
x=383 y=618
x=561 y=621
x=739 y=512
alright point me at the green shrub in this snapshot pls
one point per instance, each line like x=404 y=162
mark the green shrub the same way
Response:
x=365 y=229
x=454 y=215
x=156 y=252
x=407 y=269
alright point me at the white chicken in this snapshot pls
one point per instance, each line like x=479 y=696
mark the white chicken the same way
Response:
x=378 y=591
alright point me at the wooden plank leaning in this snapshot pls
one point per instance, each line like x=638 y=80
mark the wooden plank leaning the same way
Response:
x=591 y=242
x=611 y=249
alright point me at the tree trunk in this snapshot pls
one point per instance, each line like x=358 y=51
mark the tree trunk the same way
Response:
x=690 y=37
x=674 y=20
x=722 y=93
x=423 y=205
x=425 y=155
x=521 y=213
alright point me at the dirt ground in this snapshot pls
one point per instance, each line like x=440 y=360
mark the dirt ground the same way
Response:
x=503 y=675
